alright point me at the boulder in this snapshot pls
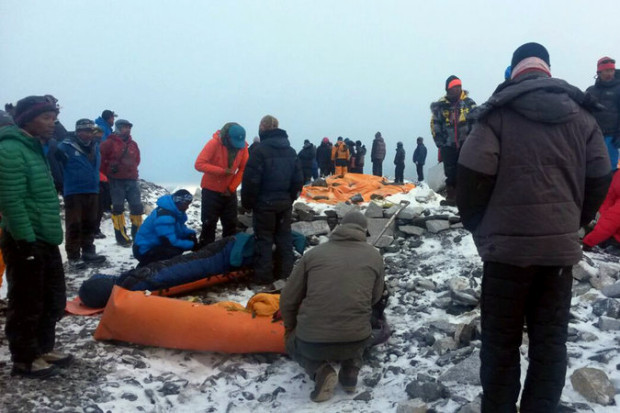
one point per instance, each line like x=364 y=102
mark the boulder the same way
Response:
x=427 y=389
x=411 y=230
x=444 y=345
x=608 y=324
x=582 y=271
x=472 y=407
x=612 y=290
x=436 y=178
x=601 y=280
x=606 y=306
x=593 y=385
x=342 y=209
x=461 y=291
x=311 y=228
x=412 y=406
x=465 y=372
x=411 y=212
x=374 y=210
x=437 y=225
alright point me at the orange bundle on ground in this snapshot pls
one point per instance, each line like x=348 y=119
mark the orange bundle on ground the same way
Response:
x=134 y=317
x=342 y=189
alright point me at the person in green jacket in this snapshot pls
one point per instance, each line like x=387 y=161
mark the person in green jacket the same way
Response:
x=31 y=233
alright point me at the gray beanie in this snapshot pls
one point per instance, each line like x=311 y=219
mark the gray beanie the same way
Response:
x=355 y=217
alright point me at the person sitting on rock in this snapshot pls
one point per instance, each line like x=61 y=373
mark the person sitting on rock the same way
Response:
x=327 y=305
x=163 y=234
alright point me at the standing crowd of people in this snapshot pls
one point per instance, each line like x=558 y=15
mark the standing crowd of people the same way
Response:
x=539 y=147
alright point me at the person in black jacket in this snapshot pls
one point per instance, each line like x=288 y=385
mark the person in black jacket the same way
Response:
x=324 y=157
x=360 y=154
x=272 y=181
x=307 y=157
x=399 y=161
x=419 y=158
x=377 y=154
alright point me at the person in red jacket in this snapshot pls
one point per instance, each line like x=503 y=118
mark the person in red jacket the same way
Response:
x=222 y=160
x=120 y=157
x=608 y=226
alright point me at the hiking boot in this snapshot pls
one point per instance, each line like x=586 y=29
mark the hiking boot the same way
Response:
x=347 y=376
x=99 y=235
x=76 y=264
x=325 y=382
x=57 y=358
x=38 y=369
x=93 y=258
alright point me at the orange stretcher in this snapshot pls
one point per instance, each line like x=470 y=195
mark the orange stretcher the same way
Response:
x=343 y=189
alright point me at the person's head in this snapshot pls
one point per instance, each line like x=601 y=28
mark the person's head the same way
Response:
x=340 y=139
x=325 y=140
x=378 y=135
x=530 y=57
x=84 y=129
x=358 y=143
x=420 y=139
x=606 y=69
x=355 y=217
x=399 y=144
x=307 y=142
x=108 y=116
x=182 y=199
x=454 y=88
x=123 y=128
x=268 y=122
x=233 y=135
x=37 y=116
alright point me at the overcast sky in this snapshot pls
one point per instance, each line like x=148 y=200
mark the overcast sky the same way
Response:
x=181 y=69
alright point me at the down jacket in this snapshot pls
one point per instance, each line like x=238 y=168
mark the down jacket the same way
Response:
x=450 y=122
x=28 y=200
x=80 y=166
x=608 y=94
x=533 y=170
x=213 y=161
x=165 y=225
x=608 y=224
x=116 y=163
x=377 y=153
x=329 y=296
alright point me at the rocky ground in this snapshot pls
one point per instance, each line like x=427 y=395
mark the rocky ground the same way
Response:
x=429 y=364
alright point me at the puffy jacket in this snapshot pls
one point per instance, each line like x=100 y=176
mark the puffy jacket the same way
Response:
x=377 y=153
x=28 y=200
x=105 y=127
x=115 y=162
x=450 y=123
x=340 y=151
x=533 y=170
x=213 y=161
x=608 y=94
x=273 y=173
x=329 y=296
x=307 y=156
x=324 y=155
x=608 y=224
x=50 y=149
x=165 y=225
x=80 y=166
x=419 y=155
x=360 y=154
x=399 y=158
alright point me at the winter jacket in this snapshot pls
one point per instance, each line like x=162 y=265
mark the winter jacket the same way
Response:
x=165 y=225
x=608 y=94
x=105 y=127
x=399 y=158
x=533 y=170
x=306 y=156
x=360 y=154
x=608 y=225
x=28 y=200
x=340 y=154
x=419 y=155
x=118 y=163
x=450 y=123
x=329 y=296
x=213 y=161
x=377 y=153
x=273 y=174
x=80 y=166
x=50 y=149
x=324 y=155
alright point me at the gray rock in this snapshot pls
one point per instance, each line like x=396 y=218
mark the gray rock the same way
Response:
x=422 y=199
x=365 y=396
x=311 y=228
x=609 y=307
x=374 y=210
x=342 y=208
x=427 y=390
x=466 y=372
x=376 y=225
x=444 y=345
x=582 y=271
x=455 y=356
x=612 y=291
x=580 y=288
x=388 y=213
x=601 y=280
x=411 y=230
x=608 y=324
x=301 y=206
x=383 y=242
x=437 y=225
x=410 y=212
x=464 y=333
x=593 y=385
x=412 y=406
x=473 y=407
x=461 y=291
x=424 y=284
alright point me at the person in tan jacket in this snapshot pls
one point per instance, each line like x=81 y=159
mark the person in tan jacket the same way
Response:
x=327 y=305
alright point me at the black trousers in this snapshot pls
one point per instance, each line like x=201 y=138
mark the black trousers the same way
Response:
x=36 y=298
x=272 y=225
x=399 y=172
x=80 y=223
x=420 y=171
x=539 y=296
x=450 y=158
x=157 y=253
x=377 y=168
x=215 y=206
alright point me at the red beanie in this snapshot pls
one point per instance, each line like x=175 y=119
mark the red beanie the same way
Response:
x=605 y=63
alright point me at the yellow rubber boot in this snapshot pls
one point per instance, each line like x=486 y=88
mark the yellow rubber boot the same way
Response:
x=136 y=222
x=119 y=230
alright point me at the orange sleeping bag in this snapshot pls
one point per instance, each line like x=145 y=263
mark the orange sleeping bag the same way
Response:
x=134 y=317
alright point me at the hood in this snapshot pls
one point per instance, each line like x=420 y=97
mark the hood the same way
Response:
x=348 y=232
x=14 y=132
x=379 y=138
x=276 y=138
x=102 y=123
x=612 y=83
x=539 y=98
x=167 y=203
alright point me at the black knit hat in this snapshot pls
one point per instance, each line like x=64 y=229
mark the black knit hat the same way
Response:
x=30 y=107
x=529 y=50
x=84 y=124
x=182 y=196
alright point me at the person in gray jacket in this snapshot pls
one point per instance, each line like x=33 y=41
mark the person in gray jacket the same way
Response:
x=533 y=170
x=327 y=304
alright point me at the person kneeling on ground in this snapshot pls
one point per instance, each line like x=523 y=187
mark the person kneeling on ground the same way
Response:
x=327 y=306
x=164 y=234
x=607 y=230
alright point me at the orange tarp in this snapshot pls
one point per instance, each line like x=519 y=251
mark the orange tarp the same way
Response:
x=150 y=320
x=342 y=189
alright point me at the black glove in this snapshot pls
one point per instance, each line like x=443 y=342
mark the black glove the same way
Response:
x=25 y=249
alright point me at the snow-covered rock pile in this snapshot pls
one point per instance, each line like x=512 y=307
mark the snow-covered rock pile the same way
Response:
x=431 y=362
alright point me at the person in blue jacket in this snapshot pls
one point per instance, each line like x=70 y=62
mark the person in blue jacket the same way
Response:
x=105 y=122
x=163 y=234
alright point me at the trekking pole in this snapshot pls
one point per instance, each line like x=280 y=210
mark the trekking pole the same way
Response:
x=403 y=205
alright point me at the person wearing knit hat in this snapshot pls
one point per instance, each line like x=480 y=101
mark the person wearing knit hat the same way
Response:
x=272 y=181
x=327 y=306
x=450 y=125
x=606 y=90
x=534 y=150
x=31 y=234
x=324 y=158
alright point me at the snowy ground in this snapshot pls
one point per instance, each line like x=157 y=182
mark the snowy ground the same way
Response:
x=119 y=377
